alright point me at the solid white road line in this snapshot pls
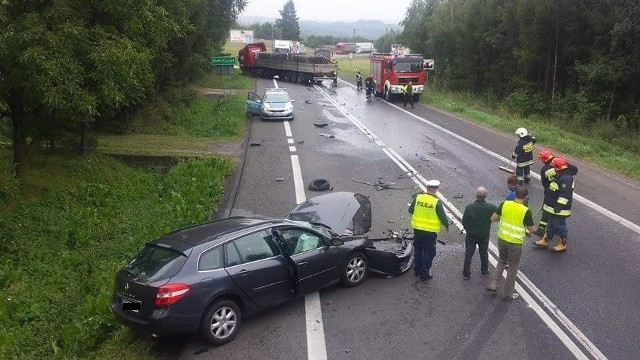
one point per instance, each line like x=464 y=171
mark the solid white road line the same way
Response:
x=316 y=347
x=421 y=182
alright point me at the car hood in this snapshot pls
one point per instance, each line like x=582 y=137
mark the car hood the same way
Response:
x=340 y=211
x=276 y=105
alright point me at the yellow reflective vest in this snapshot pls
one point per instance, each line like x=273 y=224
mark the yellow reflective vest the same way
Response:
x=511 y=228
x=425 y=217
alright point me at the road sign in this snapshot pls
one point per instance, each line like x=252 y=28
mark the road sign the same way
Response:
x=223 y=60
x=429 y=64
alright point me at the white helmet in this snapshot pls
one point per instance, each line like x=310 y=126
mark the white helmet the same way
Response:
x=522 y=132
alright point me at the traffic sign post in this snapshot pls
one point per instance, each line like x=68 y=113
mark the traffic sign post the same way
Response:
x=223 y=64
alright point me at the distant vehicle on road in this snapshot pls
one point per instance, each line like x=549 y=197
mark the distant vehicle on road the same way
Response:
x=346 y=48
x=274 y=104
x=208 y=278
x=324 y=52
x=364 y=48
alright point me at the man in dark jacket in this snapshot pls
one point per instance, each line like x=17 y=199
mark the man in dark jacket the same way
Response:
x=477 y=224
x=523 y=154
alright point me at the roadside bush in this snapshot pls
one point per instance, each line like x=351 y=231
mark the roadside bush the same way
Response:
x=61 y=250
x=525 y=103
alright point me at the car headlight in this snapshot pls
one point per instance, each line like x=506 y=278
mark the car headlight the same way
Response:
x=266 y=107
x=288 y=107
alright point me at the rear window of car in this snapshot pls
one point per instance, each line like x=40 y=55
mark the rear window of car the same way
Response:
x=155 y=263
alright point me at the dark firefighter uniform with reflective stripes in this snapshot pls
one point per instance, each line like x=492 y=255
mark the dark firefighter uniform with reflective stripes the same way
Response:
x=523 y=154
x=547 y=173
x=559 y=209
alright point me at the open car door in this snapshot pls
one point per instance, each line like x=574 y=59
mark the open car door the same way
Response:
x=253 y=105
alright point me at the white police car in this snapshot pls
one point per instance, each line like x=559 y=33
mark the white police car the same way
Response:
x=274 y=104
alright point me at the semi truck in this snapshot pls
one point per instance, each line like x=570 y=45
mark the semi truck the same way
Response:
x=392 y=72
x=255 y=60
x=346 y=48
x=364 y=48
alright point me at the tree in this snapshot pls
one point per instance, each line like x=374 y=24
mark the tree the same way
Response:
x=63 y=63
x=287 y=24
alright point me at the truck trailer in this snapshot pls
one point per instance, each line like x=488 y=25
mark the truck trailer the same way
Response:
x=255 y=60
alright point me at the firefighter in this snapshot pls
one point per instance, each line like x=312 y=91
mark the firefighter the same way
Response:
x=558 y=205
x=358 y=80
x=547 y=173
x=523 y=154
x=334 y=76
x=407 y=91
x=369 y=85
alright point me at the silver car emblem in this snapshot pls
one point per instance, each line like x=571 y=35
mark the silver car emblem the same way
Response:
x=126 y=286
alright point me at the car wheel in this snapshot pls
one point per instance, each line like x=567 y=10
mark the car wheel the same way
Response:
x=221 y=322
x=355 y=271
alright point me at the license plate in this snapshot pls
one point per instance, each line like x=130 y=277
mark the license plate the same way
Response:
x=130 y=305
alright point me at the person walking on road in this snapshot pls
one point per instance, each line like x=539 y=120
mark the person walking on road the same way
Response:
x=547 y=173
x=407 y=91
x=358 y=80
x=477 y=224
x=558 y=205
x=427 y=215
x=523 y=154
x=516 y=222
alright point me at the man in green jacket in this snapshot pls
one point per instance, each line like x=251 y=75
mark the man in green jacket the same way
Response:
x=477 y=224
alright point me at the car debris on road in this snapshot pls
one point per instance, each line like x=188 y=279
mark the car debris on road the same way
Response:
x=382 y=185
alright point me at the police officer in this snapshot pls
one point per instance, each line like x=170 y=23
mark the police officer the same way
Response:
x=427 y=217
x=407 y=91
x=558 y=205
x=547 y=173
x=523 y=154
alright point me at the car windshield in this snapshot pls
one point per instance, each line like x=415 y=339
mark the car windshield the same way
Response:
x=408 y=66
x=322 y=229
x=276 y=97
x=155 y=263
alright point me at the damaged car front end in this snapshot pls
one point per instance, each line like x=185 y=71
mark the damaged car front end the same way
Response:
x=349 y=217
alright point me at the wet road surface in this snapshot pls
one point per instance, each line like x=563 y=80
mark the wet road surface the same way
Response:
x=594 y=284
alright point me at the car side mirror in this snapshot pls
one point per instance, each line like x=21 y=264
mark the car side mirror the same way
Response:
x=258 y=101
x=293 y=100
x=337 y=242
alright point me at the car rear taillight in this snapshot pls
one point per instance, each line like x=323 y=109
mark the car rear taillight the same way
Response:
x=170 y=294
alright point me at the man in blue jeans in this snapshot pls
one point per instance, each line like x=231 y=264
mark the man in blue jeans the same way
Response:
x=427 y=214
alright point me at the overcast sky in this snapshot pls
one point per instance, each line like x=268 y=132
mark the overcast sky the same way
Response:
x=328 y=10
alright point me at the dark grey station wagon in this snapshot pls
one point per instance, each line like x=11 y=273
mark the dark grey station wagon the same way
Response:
x=208 y=278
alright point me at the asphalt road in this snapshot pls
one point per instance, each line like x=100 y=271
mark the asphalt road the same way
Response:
x=594 y=284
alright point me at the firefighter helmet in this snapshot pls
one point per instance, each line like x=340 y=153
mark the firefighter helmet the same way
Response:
x=545 y=155
x=522 y=132
x=559 y=163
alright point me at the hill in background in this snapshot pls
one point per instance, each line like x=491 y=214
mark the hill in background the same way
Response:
x=370 y=29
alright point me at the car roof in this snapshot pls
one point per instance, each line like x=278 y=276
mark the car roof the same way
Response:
x=276 y=90
x=189 y=237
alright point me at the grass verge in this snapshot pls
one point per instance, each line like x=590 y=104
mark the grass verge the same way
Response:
x=60 y=249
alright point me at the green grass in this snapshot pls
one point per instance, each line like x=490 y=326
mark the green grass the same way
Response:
x=235 y=81
x=347 y=67
x=573 y=141
x=61 y=247
x=193 y=115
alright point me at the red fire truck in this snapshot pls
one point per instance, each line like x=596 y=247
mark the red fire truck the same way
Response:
x=392 y=72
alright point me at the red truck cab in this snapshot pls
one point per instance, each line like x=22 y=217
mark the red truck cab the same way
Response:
x=247 y=55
